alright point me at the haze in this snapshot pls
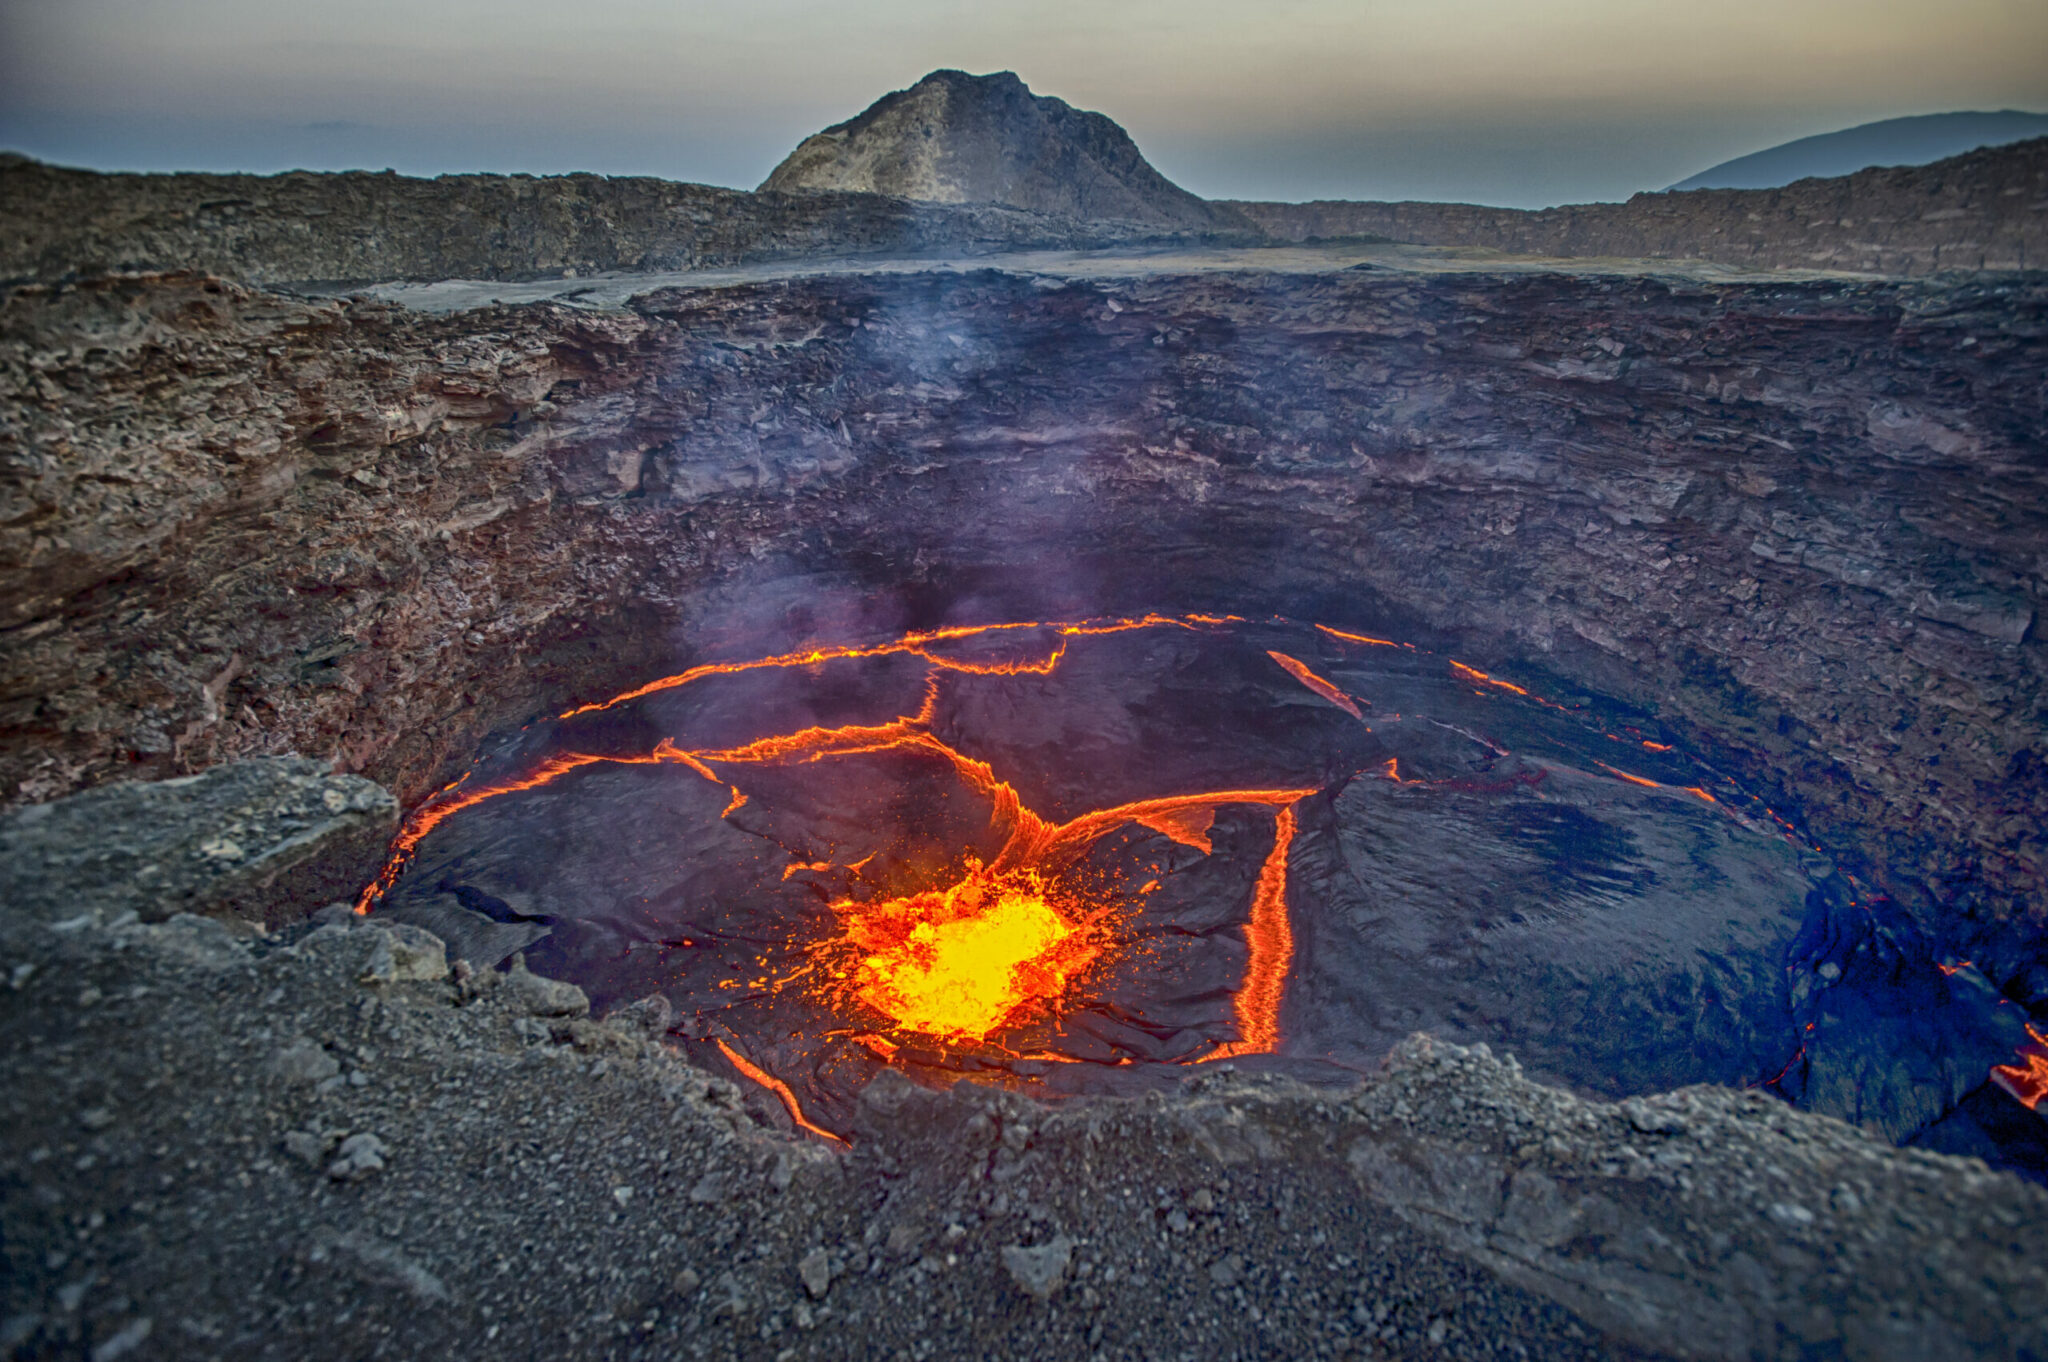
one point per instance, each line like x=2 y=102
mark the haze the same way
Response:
x=1493 y=101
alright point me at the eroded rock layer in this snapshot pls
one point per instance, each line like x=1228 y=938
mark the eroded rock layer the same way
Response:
x=1983 y=210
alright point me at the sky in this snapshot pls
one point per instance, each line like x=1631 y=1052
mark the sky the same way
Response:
x=1521 y=103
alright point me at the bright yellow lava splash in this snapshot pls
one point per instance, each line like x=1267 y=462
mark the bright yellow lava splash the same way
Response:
x=957 y=962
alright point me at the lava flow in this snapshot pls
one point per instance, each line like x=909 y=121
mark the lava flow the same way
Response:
x=1300 y=671
x=1007 y=940
x=957 y=962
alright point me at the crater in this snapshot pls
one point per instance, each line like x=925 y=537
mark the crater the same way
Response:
x=1084 y=856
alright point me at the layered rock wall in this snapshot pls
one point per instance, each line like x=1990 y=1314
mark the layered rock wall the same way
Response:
x=1987 y=210
x=1984 y=211
x=1801 y=523
x=358 y=227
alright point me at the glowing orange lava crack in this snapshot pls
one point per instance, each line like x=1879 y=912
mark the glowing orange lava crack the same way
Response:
x=780 y=1089
x=959 y=961
x=916 y=644
x=2027 y=1081
x=1300 y=672
x=1271 y=937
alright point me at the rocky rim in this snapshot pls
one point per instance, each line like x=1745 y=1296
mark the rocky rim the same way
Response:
x=320 y=1142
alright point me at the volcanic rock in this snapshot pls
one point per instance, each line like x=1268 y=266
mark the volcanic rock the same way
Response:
x=1039 y=1270
x=218 y=842
x=957 y=138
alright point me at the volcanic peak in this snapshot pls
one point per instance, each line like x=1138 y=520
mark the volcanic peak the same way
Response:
x=960 y=138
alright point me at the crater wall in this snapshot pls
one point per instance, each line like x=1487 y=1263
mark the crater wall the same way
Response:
x=1803 y=522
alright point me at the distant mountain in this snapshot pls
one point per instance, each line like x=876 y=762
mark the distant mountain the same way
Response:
x=958 y=138
x=1892 y=142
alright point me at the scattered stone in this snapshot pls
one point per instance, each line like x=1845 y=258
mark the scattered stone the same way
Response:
x=304 y=1061
x=405 y=953
x=685 y=1282
x=652 y=1015
x=1039 y=1271
x=378 y=1263
x=307 y=1147
x=1227 y=1271
x=124 y=1342
x=1202 y=1202
x=538 y=996
x=360 y=1155
x=468 y=935
x=815 y=1270
x=1654 y=1119
x=95 y=1118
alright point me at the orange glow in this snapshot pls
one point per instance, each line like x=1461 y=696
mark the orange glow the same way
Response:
x=1300 y=672
x=438 y=810
x=916 y=644
x=1190 y=827
x=1697 y=791
x=1361 y=638
x=878 y=1046
x=1391 y=770
x=1474 y=674
x=2027 y=1081
x=958 y=962
x=1623 y=775
x=1657 y=746
x=779 y=1088
x=1957 y=968
x=1271 y=939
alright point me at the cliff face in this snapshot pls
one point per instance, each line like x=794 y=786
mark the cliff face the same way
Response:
x=1802 y=523
x=1083 y=183
x=1987 y=210
x=956 y=138
x=304 y=227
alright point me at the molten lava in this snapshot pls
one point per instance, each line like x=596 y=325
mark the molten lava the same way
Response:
x=2027 y=1081
x=1271 y=938
x=780 y=1089
x=1300 y=672
x=958 y=962
x=964 y=955
x=1005 y=941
